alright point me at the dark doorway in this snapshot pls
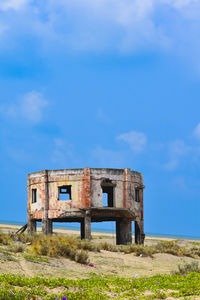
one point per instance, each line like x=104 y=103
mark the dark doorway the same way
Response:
x=108 y=193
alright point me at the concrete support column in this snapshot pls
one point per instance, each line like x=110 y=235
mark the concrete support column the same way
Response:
x=46 y=222
x=139 y=232
x=139 y=224
x=123 y=232
x=31 y=225
x=47 y=226
x=86 y=228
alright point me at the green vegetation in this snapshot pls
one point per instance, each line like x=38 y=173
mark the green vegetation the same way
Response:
x=35 y=258
x=6 y=255
x=56 y=246
x=195 y=243
x=37 y=248
x=188 y=267
x=5 y=239
x=170 y=247
x=94 y=237
x=75 y=249
x=100 y=287
x=17 y=248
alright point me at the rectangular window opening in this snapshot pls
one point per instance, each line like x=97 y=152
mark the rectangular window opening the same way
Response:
x=65 y=192
x=107 y=198
x=34 y=195
x=137 y=195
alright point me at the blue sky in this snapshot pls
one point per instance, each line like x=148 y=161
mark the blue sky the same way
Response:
x=103 y=84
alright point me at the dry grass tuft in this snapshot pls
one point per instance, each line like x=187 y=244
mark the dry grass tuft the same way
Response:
x=17 y=249
x=108 y=247
x=138 y=250
x=56 y=246
x=5 y=239
x=188 y=267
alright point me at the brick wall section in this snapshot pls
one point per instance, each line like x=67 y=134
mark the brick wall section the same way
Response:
x=86 y=190
x=85 y=195
x=127 y=200
x=43 y=179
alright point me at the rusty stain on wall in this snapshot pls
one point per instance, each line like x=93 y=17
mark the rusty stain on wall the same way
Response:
x=85 y=203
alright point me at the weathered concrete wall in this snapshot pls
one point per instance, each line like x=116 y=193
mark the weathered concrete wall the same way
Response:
x=86 y=193
x=86 y=189
x=97 y=176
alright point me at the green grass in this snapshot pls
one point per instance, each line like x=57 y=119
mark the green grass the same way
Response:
x=100 y=287
x=94 y=237
x=35 y=258
x=6 y=255
x=195 y=243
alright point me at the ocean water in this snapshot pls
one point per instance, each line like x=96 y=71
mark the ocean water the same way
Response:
x=104 y=227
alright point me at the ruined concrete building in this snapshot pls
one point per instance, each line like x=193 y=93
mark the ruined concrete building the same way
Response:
x=87 y=195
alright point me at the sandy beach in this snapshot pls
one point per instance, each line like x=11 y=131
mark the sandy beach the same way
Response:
x=8 y=227
x=106 y=262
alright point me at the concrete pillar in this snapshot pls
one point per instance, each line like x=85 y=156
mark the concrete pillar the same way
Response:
x=31 y=225
x=139 y=224
x=86 y=228
x=123 y=232
x=46 y=222
x=139 y=232
x=47 y=226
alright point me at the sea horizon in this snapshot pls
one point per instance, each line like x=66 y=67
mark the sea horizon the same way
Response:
x=76 y=227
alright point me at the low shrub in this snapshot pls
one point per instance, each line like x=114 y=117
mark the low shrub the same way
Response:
x=188 y=267
x=139 y=250
x=56 y=246
x=17 y=248
x=25 y=238
x=170 y=247
x=109 y=247
x=67 y=246
x=88 y=245
x=5 y=239
x=81 y=257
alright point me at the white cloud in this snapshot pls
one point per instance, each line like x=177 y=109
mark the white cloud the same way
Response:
x=177 y=150
x=30 y=108
x=122 y=26
x=196 y=132
x=182 y=4
x=136 y=140
x=107 y=158
x=13 y=4
x=62 y=153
